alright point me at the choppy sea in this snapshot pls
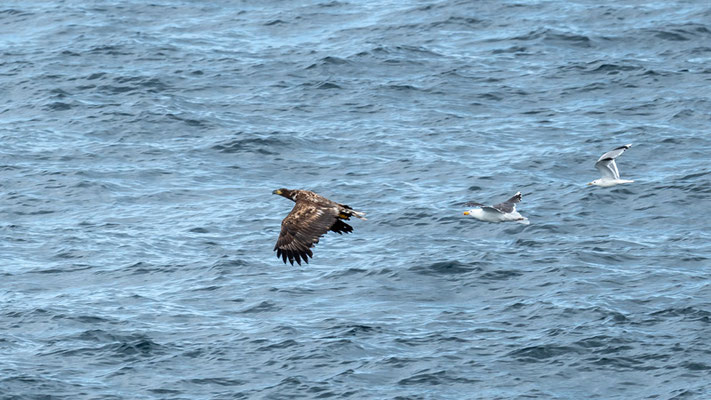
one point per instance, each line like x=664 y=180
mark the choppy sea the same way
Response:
x=140 y=143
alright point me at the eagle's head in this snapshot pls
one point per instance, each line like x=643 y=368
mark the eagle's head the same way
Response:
x=289 y=194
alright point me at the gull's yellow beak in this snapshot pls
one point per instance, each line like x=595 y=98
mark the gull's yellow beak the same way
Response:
x=589 y=183
x=466 y=212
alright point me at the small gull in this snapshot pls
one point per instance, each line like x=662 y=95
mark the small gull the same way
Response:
x=501 y=212
x=608 y=168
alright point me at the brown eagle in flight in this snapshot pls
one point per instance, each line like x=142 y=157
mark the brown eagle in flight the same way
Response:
x=312 y=216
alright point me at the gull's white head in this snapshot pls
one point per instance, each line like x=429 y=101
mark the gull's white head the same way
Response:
x=474 y=212
x=596 y=182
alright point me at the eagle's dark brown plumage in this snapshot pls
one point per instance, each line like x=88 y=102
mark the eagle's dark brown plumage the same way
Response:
x=312 y=216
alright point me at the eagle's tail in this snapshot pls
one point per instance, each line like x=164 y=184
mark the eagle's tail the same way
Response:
x=358 y=214
x=352 y=212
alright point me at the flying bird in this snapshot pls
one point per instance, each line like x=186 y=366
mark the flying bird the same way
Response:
x=608 y=168
x=501 y=212
x=312 y=216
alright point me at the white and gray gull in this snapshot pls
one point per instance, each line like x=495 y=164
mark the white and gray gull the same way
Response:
x=608 y=168
x=501 y=212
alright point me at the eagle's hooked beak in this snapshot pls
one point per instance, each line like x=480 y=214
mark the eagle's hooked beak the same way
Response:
x=276 y=191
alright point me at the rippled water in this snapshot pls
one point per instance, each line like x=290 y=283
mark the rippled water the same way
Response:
x=140 y=143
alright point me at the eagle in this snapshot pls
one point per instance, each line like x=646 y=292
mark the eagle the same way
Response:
x=312 y=216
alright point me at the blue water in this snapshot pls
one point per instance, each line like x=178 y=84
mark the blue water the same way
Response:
x=140 y=142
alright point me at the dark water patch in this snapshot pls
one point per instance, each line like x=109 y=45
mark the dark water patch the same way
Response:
x=276 y=346
x=541 y=353
x=674 y=36
x=696 y=366
x=64 y=269
x=89 y=319
x=445 y=268
x=32 y=386
x=96 y=75
x=58 y=93
x=512 y=49
x=398 y=362
x=216 y=381
x=604 y=256
x=85 y=319
x=261 y=307
x=686 y=394
x=69 y=254
x=612 y=69
x=59 y=106
x=469 y=22
x=695 y=175
x=329 y=60
x=391 y=273
x=621 y=363
x=162 y=391
x=567 y=39
x=109 y=344
x=229 y=264
x=154 y=85
x=141 y=268
x=267 y=145
x=346 y=273
x=295 y=290
x=207 y=288
x=531 y=35
x=435 y=378
x=275 y=22
x=653 y=73
x=528 y=243
x=114 y=90
x=101 y=336
x=327 y=85
x=690 y=313
x=342 y=330
x=70 y=53
x=112 y=50
x=37 y=312
x=398 y=87
x=189 y=121
x=596 y=342
x=142 y=347
x=416 y=341
x=500 y=275
x=606 y=345
x=14 y=11
x=612 y=316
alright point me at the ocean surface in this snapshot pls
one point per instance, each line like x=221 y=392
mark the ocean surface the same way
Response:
x=140 y=143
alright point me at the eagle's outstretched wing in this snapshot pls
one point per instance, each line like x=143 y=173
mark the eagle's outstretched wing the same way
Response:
x=301 y=229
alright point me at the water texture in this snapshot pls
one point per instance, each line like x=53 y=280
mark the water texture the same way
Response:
x=140 y=142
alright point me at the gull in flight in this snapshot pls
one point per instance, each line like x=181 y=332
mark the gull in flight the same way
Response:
x=608 y=168
x=501 y=212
